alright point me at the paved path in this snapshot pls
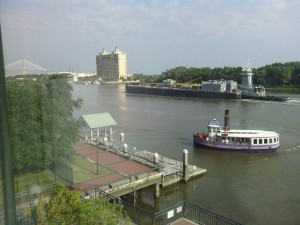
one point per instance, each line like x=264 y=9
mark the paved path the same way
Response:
x=120 y=166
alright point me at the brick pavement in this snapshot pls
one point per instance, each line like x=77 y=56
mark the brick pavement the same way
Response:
x=120 y=166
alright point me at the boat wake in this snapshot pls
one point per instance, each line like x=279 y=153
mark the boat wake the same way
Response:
x=293 y=149
x=289 y=102
x=293 y=102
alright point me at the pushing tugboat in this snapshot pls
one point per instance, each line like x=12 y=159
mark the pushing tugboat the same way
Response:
x=226 y=139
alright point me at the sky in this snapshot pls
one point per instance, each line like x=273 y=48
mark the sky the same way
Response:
x=66 y=35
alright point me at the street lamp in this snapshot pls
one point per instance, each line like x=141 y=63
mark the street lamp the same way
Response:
x=97 y=143
x=106 y=142
x=34 y=192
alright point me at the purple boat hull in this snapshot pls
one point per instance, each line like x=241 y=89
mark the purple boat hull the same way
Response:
x=203 y=143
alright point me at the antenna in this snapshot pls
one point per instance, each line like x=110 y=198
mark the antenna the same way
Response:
x=248 y=64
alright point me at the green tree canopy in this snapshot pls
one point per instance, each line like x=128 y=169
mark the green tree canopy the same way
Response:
x=42 y=127
x=66 y=207
x=274 y=75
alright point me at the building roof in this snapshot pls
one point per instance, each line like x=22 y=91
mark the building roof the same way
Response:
x=98 y=120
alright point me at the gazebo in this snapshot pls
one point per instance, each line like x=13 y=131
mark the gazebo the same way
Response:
x=97 y=126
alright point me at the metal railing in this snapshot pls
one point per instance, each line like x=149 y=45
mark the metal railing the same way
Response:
x=169 y=215
x=142 y=216
x=174 y=213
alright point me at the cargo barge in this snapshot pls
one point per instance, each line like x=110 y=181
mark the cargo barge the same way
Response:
x=179 y=92
x=220 y=89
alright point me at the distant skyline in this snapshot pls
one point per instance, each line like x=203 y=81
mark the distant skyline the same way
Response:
x=155 y=35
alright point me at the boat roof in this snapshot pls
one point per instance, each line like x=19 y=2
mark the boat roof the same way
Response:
x=250 y=133
x=214 y=123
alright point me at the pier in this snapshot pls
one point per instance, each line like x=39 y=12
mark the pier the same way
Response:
x=132 y=169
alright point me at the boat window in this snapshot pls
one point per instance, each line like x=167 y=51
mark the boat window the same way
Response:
x=242 y=140
x=265 y=141
x=274 y=140
x=232 y=139
x=247 y=140
x=260 y=141
x=255 y=141
x=270 y=141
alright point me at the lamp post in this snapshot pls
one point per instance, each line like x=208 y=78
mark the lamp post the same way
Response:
x=106 y=143
x=97 y=169
x=34 y=192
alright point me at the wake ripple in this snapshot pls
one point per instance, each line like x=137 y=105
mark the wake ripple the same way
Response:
x=293 y=149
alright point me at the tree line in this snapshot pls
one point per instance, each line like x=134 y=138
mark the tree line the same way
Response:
x=274 y=75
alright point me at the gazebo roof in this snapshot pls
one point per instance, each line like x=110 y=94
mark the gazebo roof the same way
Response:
x=98 y=120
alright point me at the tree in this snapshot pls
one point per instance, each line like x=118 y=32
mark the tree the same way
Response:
x=42 y=126
x=66 y=207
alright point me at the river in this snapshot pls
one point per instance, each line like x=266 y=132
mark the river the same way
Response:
x=250 y=188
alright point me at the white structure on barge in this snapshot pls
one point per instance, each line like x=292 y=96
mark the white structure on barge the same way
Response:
x=219 y=85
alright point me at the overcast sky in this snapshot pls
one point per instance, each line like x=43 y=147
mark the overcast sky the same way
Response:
x=156 y=35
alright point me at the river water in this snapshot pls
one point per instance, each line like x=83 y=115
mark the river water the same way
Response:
x=250 y=188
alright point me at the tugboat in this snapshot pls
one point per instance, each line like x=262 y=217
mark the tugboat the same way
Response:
x=228 y=139
x=258 y=92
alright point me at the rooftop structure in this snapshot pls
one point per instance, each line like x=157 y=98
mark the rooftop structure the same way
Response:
x=219 y=85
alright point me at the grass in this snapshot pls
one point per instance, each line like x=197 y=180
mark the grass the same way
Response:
x=82 y=170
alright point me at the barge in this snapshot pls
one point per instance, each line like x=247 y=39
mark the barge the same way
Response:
x=220 y=89
x=179 y=92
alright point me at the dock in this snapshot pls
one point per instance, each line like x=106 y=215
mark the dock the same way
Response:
x=132 y=169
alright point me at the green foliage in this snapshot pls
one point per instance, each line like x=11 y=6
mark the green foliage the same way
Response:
x=66 y=207
x=42 y=128
x=275 y=75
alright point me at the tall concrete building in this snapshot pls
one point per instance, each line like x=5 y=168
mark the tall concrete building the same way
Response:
x=112 y=66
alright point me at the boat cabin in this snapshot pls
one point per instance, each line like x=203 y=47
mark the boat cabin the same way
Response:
x=214 y=128
x=249 y=137
x=244 y=137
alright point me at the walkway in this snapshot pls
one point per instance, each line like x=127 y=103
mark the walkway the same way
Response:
x=120 y=166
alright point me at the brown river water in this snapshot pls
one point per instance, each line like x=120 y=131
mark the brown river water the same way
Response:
x=250 y=188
